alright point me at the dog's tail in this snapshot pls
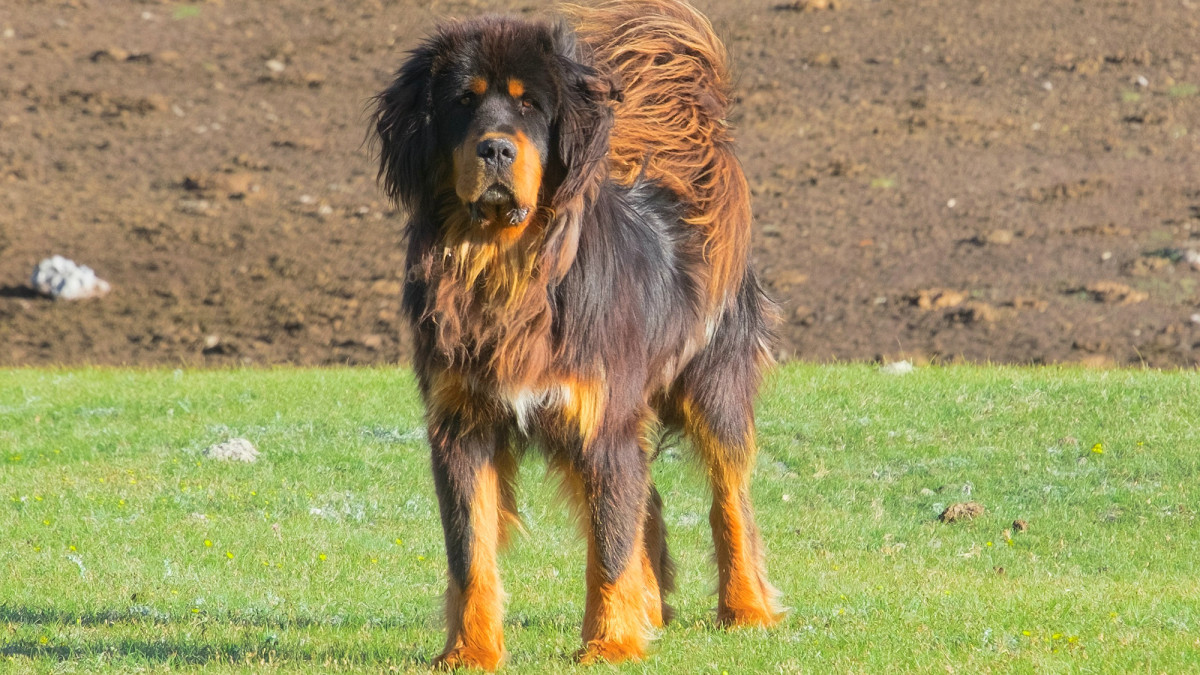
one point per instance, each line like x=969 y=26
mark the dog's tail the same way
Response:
x=671 y=124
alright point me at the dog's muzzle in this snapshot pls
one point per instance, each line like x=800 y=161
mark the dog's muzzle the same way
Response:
x=499 y=178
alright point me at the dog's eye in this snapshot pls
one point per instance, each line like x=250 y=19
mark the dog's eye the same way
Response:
x=466 y=100
x=526 y=104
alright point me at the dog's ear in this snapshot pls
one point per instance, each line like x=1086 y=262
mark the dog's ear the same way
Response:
x=583 y=122
x=404 y=128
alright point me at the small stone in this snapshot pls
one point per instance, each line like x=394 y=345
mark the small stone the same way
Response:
x=195 y=207
x=1048 y=85
x=897 y=368
x=63 y=279
x=372 y=341
x=1106 y=256
x=999 y=237
x=1020 y=525
x=324 y=210
x=276 y=66
x=1141 y=81
x=1192 y=257
x=238 y=449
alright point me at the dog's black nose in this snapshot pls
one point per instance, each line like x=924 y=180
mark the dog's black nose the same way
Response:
x=499 y=152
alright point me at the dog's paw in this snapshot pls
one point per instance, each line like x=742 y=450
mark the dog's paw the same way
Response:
x=597 y=651
x=757 y=616
x=467 y=657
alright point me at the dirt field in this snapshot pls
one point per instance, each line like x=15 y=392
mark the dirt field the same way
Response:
x=986 y=181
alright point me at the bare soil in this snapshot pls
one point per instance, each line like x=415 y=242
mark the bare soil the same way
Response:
x=933 y=179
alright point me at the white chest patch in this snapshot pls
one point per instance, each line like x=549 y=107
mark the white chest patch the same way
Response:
x=526 y=403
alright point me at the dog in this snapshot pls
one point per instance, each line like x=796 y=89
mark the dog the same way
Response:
x=578 y=281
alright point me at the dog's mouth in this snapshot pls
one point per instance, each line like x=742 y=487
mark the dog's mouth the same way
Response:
x=497 y=204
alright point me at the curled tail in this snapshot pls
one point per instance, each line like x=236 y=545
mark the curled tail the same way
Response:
x=671 y=126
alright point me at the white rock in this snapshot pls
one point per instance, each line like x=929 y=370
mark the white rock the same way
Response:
x=62 y=279
x=1141 y=81
x=897 y=368
x=1192 y=257
x=238 y=449
x=275 y=66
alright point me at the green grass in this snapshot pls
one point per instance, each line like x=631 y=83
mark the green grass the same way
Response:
x=108 y=507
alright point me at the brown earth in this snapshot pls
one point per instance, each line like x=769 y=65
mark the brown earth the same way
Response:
x=938 y=179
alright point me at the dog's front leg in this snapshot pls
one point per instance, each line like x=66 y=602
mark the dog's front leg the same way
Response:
x=468 y=481
x=623 y=601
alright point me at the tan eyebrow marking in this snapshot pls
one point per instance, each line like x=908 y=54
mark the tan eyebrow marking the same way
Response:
x=478 y=85
x=516 y=88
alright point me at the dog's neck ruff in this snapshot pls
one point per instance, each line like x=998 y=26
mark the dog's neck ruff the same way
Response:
x=488 y=299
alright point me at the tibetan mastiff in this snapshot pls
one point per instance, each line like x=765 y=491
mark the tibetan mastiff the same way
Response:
x=577 y=281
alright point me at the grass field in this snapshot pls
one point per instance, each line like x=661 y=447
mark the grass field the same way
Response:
x=125 y=550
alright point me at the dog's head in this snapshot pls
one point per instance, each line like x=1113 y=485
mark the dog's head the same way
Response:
x=498 y=117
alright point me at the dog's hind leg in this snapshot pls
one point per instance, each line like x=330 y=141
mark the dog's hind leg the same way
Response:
x=713 y=401
x=744 y=597
x=473 y=480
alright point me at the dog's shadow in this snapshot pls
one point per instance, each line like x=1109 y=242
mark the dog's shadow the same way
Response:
x=192 y=647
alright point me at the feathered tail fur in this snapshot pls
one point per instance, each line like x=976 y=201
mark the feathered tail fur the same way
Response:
x=671 y=124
